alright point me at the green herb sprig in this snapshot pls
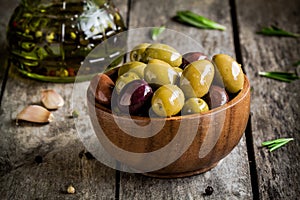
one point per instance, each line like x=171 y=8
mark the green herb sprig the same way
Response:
x=196 y=20
x=275 y=31
x=156 y=31
x=275 y=144
x=281 y=76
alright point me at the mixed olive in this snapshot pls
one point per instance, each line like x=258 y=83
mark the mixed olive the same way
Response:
x=159 y=80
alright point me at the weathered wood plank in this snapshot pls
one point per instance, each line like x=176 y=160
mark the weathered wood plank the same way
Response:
x=275 y=105
x=40 y=161
x=230 y=178
x=56 y=143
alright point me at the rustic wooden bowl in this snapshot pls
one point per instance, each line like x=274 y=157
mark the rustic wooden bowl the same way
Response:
x=210 y=137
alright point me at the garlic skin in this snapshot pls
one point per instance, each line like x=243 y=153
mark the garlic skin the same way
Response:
x=51 y=99
x=35 y=113
x=71 y=189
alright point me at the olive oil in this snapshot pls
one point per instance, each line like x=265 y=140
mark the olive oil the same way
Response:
x=49 y=41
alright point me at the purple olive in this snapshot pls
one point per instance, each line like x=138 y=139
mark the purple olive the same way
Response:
x=216 y=97
x=191 y=57
x=135 y=97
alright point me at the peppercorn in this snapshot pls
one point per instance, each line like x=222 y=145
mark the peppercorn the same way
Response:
x=209 y=190
x=52 y=73
x=38 y=159
x=14 y=24
x=38 y=34
x=62 y=73
x=73 y=35
x=27 y=31
x=50 y=37
x=71 y=71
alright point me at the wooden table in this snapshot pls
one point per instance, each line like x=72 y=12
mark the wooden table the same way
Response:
x=39 y=162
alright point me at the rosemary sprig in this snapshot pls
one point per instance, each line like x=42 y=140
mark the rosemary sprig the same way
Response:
x=275 y=31
x=281 y=76
x=196 y=20
x=275 y=144
x=156 y=31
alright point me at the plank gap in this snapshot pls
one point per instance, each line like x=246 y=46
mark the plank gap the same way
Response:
x=251 y=158
x=248 y=131
x=235 y=29
x=128 y=13
x=117 y=192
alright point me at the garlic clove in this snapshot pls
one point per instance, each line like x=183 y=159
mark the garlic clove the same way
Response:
x=35 y=113
x=51 y=99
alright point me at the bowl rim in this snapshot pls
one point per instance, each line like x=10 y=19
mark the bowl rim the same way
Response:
x=239 y=97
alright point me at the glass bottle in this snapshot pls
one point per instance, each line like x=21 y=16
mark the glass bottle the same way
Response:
x=49 y=39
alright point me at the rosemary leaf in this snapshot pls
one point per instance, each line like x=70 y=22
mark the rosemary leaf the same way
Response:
x=275 y=31
x=274 y=147
x=156 y=31
x=196 y=20
x=275 y=144
x=281 y=76
x=270 y=142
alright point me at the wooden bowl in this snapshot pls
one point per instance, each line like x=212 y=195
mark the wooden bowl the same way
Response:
x=199 y=141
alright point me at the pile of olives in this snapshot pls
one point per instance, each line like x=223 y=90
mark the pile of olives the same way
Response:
x=159 y=80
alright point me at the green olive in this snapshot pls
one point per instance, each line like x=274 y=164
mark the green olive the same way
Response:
x=157 y=61
x=230 y=71
x=162 y=52
x=167 y=100
x=134 y=66
x=178 y=70
x=125 y=79
x=194 y=105
x=137 y=51
x=160 y=73
x=196 y=78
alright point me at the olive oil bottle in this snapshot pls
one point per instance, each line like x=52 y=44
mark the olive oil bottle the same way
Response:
x=49 y=39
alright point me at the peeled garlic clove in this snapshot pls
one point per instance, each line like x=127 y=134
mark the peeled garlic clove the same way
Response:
x=51 y=99
x=35 y=113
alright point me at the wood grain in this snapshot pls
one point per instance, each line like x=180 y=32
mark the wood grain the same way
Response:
x=231 y=176
x=40 y=161
x=275 y=105
x=57 y=143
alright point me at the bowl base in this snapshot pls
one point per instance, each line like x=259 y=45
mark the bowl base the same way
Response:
x=181 y=175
